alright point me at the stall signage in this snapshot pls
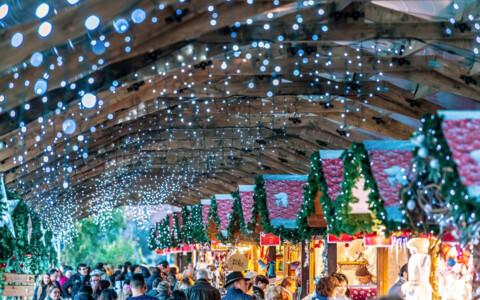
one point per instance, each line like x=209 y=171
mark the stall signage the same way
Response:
x=237 y=262
x=268 y=239
x=343 y=238
x=371 y=240
x=217 y=245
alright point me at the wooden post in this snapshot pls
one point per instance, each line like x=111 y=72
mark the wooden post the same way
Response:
x=255 y=258
x=332 y=258
x=305 y=270
x=382 y=271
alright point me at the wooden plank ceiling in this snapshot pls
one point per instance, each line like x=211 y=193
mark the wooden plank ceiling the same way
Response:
x=187 y=110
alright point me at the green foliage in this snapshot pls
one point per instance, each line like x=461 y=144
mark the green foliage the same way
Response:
x=338 y=212
x=310 y=193
x=92 y=245
x=177 y=233
x=164 y=239
x=196 y=225
x=186 y=227
x=17 y=253
x=260 y=200
x=427 y=177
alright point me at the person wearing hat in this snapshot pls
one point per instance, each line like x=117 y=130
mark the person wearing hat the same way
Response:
x=236 y=286
x=364 y=277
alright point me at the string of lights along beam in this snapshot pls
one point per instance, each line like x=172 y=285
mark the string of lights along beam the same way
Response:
x=143 y=103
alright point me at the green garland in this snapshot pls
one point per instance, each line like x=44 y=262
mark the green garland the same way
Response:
x=310 y=193
x=186 y=227
x=212 y=216
x=18 y=254
x=260 y=200
x=338 y=212
x=438 y=168
x=196 y=225
x=164 y=239
x=177 y=234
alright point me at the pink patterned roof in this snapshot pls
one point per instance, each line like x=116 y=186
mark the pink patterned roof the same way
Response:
x=224 y=209
x=333 y=172
x=205 y=209
x=246 y=196
x=463 y=137
x=284 y=198
x=388 y=168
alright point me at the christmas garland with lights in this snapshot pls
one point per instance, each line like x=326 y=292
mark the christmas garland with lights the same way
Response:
x=310 y=193
x=434 y=196
x=236 y=224
x=338 y=212
x=17 y=254
x=260 y=200
x=196 y=225
x=212 y=216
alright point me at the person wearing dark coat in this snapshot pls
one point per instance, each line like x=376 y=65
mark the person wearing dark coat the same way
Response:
x=155 y=274
x=261 y=283
x=164 y=291
x=396 y=289
x=237 y=287
x=76 y=281
x=154 y=292
x=84 y=293
x=202 y=289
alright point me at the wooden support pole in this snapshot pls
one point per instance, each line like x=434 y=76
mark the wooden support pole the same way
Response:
x=305 y=271
x=332 y=258
x=382 y=271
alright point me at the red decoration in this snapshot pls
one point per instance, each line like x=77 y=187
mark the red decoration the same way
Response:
x=21 y=266
x=13 y=258
x=15 y=272
x=347 y=245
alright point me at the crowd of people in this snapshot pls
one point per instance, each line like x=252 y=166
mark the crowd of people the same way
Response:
x=164 y=282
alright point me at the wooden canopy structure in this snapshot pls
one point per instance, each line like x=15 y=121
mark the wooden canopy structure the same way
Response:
x=201 y=95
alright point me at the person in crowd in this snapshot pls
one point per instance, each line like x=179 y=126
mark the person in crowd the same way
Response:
x=94 y=279
x=202 y=289
x=154 y=292
x=326 y=288
x=118 y=271
x=178 y=295
x=100 y=287
x=65 y=274
x=259 y=286
x=165 y=267
x=76 y=281
x=54 y=276
x=99 y=270
x=130 y=271
x=250 y=275
x=84 y=293
x=146 y=273
x=275 y=293
x=164 y=291
x=342 y=290
x=290 y=286
x=126 y=291
x=109 y=269
x=154 y=275
x=139 y=288
x=54 y=293
x=172 y=277
x=396 y=289
x=364 y=277
x=184 y=284
x=43 y=283
x=108 y=294
x=236 y=286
